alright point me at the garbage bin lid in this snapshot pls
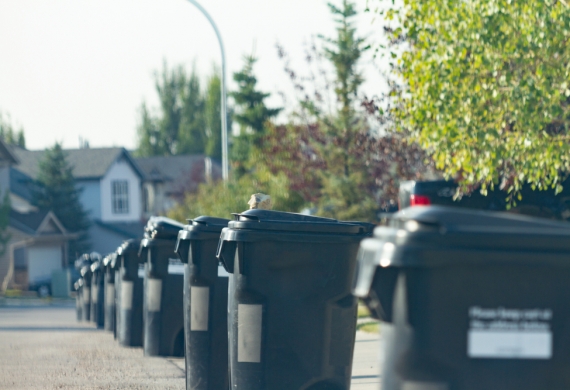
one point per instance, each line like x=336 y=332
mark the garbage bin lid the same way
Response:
x=205 y=222
x=454 y=218
x=86 y=270
x=203 y=227
x=413 y=233
x=95 y=266
x=129 y=247
x=81 y=262
x=108 y=260
x=162 y=227
x=258 y=219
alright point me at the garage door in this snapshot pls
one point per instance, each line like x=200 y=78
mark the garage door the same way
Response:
x=42 y=261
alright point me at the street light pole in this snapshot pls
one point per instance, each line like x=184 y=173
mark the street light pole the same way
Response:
x=225 y=162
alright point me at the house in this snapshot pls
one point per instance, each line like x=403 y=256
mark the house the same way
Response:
x=37 y=241
x=118 y=192
x=169 y=178
x=111 y=191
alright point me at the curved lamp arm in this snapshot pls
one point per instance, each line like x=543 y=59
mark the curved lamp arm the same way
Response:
x=225 y=161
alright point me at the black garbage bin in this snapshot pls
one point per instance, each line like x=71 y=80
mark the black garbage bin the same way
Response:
x=469 y=300
x=86 y=275
x=109 y=288
x=163 y=295
x=205 y=304
x=83 y=261
x=130 y=295
x=291 y=315
x=115 y=265
x=98 y=294
x=78 y=286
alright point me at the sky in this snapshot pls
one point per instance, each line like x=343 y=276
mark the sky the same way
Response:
x=80 y=69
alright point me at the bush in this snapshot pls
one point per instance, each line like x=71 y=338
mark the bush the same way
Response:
x=221 y=199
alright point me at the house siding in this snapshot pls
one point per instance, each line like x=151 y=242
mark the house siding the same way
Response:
x=90 y=197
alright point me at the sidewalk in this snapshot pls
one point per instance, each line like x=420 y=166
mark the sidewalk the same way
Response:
x=46 y=348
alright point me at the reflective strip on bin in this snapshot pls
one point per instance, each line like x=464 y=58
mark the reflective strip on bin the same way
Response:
x=249 y=333
x=110 y=294
x=509 y=344
x=154 y=293
x=94 y=293
x=126 y=295
x=199 y=302
x=408 y=385
x=85 y=295
x=140 y=272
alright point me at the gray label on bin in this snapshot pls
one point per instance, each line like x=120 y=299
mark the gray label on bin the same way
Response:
x=110 y=294
x=126 y=295
x=94 y=294
x=249 y=333
x=506 y=333
x=199 y=302
x=85 y=295
x=175 y=267
x=153 y=294
x=140 y=271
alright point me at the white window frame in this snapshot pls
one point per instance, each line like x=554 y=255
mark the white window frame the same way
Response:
x=120 y=196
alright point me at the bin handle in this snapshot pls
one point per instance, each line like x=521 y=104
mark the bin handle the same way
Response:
x=226 y=253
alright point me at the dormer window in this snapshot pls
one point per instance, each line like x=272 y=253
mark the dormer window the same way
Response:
x=120 y=196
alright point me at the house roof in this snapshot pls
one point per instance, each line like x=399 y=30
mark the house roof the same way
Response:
x=86 y=163
x=179 y=173
x=35 y=223
x=6 y=153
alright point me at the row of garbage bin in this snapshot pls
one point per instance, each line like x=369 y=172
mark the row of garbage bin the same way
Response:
x=468 y=300
x=260 y=302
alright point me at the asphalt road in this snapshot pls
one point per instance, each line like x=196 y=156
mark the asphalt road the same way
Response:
x=46 y=348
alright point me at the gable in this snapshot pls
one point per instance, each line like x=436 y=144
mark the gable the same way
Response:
x=51 y=225
x=50 y=228
x=120 y=193
x=121 y=169
x=36 y=223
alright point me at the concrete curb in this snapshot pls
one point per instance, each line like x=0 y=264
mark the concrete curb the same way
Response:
x=36 y=302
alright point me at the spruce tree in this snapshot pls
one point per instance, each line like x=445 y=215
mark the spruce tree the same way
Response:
x=251 y=114
x=57 y=192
